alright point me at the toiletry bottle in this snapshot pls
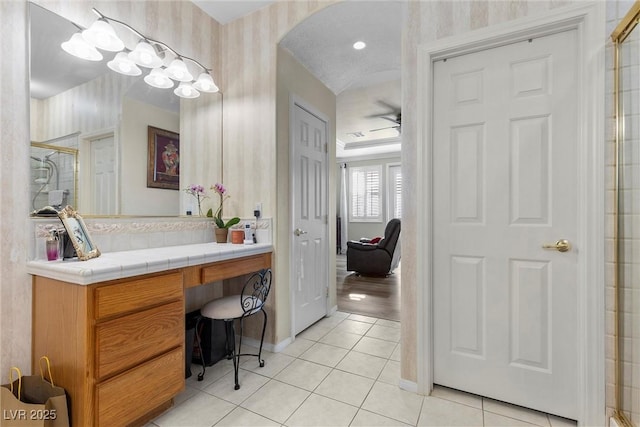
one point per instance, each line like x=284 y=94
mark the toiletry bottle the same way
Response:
x=52 y=246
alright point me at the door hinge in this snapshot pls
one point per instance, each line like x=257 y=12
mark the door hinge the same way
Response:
x=327 y=288
x=326 y=148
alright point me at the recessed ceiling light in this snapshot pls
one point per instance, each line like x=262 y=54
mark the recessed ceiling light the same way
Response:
x=359 y=45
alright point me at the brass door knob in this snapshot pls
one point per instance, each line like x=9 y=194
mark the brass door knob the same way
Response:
x=562 y=245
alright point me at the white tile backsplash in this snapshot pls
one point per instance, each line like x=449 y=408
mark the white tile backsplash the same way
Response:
x=123 y=234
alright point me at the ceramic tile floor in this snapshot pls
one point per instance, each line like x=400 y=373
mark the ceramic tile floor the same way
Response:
x=342 y=371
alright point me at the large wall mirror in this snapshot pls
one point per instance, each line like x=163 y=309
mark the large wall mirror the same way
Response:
x=626 y=39
x=104 y=116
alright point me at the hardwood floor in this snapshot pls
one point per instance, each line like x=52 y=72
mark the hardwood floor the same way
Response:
x=369 y=296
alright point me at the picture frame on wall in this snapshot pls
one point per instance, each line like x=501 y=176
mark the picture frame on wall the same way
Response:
x=78 y=234
x=163 y=167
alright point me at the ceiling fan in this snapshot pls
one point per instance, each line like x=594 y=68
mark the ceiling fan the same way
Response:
x=395 y=116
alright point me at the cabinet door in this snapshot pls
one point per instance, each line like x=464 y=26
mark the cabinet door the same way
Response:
x=130 y=395
x=127 y=341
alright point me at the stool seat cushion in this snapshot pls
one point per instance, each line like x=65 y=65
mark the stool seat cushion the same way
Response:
x=231 y=307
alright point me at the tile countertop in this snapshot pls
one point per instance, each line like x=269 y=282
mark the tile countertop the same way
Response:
x=118 y=265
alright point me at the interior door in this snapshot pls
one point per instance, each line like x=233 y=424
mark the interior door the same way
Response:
x=310 y=228
x=103 y=176
x=505 y=179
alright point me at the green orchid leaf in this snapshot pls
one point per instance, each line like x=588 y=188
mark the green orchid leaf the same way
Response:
x=219 y=222
x=233 y=221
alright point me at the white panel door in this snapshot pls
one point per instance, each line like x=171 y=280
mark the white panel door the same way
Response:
x=505 y=179
x=310 y=251
x=103 y=176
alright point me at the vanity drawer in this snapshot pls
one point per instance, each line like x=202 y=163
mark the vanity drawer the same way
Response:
x=137 y=294
x=129 y=340
x=132 y=394
x=234 y=267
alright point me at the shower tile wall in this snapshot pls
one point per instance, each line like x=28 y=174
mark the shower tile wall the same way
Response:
x=66 y=168
x=629 y=278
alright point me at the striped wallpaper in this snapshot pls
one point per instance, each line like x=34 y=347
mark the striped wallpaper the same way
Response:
x=251 y=171
x=93 y=106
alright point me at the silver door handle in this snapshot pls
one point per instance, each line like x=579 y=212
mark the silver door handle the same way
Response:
x=299 y=232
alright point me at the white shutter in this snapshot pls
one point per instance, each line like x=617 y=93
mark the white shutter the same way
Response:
x=395 y=192
x=365 y=194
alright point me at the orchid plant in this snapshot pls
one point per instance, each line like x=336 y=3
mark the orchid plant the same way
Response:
x=217 y=217
x=199 y=193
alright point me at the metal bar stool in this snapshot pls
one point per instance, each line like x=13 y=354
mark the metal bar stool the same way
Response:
x=237 y=307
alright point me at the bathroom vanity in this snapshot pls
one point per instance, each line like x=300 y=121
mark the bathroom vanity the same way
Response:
x=113 y=326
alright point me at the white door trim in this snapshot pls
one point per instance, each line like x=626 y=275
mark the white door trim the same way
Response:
x=293 y=101
x=588 y=19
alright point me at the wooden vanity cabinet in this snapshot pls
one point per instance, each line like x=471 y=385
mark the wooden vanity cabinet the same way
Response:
x=117 y=347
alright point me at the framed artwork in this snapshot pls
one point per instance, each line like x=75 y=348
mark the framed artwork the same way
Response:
x=163 y=167
x=78 y=234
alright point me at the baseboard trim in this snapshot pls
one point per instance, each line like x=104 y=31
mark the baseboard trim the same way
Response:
x=407 y=385
x=332 y=310
x=273 y=348
x=281 y=345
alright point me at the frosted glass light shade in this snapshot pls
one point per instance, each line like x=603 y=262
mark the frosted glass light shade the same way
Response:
x=186 y=90
x=145 y=55
x=102 y=35
x=79 y=47
x=205 y=83
x=178 y=71
x=157 y=78
x=123 y=65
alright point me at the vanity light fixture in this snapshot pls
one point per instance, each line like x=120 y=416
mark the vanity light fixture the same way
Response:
x=145 y=55
x=123 y=65
x=158 y=78
x=205 y=83
x=186 y=90
x=178 y=71
x=102 y=35
x=79 y=47
x=148 y=53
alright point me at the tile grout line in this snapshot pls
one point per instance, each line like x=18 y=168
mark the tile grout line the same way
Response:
x=272 y=378
x=335 y=368
x=299 y=358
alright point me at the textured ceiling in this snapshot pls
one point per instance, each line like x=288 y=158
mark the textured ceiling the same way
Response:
x=324 y=43
x=226 y=11
x=366 y=82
